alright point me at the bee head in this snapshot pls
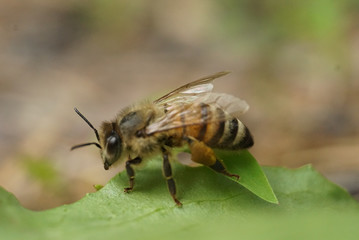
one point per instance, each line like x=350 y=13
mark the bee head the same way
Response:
x=110 y=142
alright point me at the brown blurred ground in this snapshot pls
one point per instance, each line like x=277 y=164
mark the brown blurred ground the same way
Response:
x=298 y=72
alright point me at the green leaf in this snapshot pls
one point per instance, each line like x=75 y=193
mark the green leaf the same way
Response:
x=213 y=208
x=252 y=176
x=98 y=187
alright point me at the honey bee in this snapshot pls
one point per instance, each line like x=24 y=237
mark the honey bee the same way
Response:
x=191 y=115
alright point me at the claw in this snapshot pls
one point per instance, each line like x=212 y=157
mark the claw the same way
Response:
x=127 y=190
x=233 y=175
x=236 y=176
x=178 y=203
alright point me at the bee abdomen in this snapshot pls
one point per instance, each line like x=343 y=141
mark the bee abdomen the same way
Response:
x=243 y=138
x=224 y=134
x=235 y=136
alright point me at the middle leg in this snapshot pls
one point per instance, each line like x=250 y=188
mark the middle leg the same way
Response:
x=167 y=172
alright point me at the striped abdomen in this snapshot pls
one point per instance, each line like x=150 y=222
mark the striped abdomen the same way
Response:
x=216 y=133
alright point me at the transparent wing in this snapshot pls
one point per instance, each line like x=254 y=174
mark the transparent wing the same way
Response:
x=234 y=106
x=192 y=111
x=191 y=91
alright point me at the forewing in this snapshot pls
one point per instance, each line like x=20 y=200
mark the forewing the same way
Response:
x=192 y=112
x=190 y=91
x=173 y=118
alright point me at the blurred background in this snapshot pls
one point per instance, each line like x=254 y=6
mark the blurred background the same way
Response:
x=295 y=62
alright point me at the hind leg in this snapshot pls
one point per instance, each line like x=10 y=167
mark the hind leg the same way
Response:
x=203 y=154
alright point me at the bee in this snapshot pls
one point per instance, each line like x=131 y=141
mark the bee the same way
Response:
x=191 y=115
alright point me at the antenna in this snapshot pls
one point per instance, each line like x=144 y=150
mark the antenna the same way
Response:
x=88 y=122
x=97 y=136
x=86 y=144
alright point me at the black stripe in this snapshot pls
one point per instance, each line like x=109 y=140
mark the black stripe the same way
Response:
x=246 y=141
x=231 y=135
x=220 y=130
x=204 y=116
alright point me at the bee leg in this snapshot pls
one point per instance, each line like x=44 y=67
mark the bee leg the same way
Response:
x=131 y=172
x=203 y=154
x=167 y=172
x=219 y=167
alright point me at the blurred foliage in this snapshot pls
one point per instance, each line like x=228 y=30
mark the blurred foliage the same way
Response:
x=114 y=22
x=42 y=170
x=324 y=22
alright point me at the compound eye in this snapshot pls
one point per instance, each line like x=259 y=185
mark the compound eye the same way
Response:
x=112 y=144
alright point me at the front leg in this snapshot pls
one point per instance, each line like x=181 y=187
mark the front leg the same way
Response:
x=131 y=172
x=167 y=172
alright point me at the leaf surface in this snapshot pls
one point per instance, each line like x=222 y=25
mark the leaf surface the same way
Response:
x=214 y=207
